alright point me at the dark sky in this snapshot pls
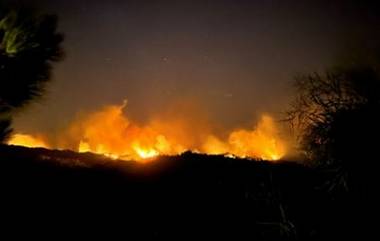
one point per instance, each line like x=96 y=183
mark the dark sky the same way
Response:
x=234 y=57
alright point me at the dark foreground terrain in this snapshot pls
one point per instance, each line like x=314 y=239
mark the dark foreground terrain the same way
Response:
x=190 y=196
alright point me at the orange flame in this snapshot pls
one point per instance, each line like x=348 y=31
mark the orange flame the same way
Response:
x=27 y=141
x=261 y=142
x=109 y=132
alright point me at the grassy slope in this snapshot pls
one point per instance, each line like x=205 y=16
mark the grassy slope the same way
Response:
x=187 y=196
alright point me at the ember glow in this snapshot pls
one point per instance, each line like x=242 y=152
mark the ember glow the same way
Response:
x=111 y=133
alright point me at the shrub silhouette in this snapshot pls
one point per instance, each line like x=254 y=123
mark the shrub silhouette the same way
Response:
x=29 y=44
x=5 y=127
x=337 y=115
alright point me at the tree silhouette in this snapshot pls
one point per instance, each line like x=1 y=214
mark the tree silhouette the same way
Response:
x=29 y=44
x=337 y=115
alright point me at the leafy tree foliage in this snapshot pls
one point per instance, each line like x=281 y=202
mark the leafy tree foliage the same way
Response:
x=29 y=45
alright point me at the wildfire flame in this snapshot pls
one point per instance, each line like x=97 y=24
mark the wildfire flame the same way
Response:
x=109 y=132
x=261 y=142
x=27 y=141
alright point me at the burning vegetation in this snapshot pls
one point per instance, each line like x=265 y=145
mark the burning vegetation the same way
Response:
x=111 y=133
x=27 y=141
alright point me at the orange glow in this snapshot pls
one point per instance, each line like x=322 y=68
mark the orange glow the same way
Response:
x=27 y=141
x=109 y=132
x=260 y=142
x=145 y=152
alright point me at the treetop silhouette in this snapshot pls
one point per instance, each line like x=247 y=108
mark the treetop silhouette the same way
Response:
x=29 y=45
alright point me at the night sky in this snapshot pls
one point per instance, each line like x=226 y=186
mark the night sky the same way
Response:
x=234 y=58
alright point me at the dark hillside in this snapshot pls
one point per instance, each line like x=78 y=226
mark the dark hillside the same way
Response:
x=186 y=196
